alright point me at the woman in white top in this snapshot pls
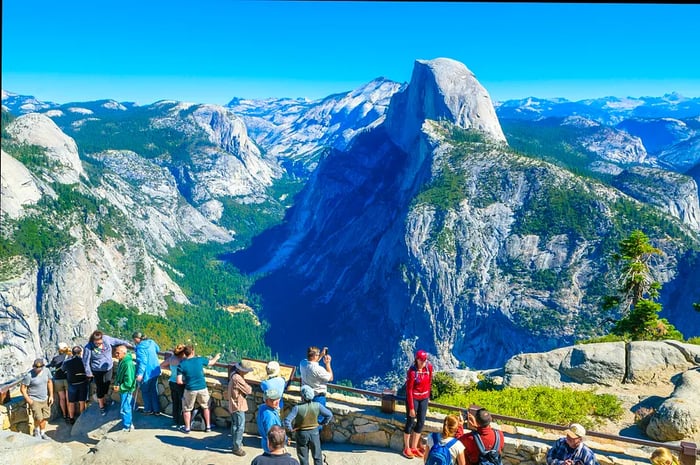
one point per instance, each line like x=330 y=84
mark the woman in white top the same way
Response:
x=448 y=435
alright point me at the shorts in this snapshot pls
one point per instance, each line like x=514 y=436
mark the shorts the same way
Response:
x=40 y=410
x=78 y=392
x=201 y=397
x=60 y=385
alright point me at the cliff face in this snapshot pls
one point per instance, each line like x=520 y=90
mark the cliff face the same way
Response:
x=429 y=232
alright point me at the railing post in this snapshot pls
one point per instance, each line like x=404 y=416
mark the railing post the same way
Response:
x=688 y=453
x=388 y=401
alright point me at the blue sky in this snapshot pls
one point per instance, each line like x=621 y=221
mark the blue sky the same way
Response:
x=210 y=51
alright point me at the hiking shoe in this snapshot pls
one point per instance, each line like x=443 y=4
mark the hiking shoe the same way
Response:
x=44 y=436
x=37 y=433
x=184 y=430
x=103 y=411
x=239 y=452
x=207 y=429
x=417 y=453
x=71 y=421
x=408 y=453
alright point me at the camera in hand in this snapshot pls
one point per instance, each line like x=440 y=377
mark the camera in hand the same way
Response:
x=324 y=352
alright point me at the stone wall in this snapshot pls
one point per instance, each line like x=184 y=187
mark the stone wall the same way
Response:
x=360 y=421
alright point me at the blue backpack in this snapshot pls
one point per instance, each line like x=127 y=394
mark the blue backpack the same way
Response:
x=488 y=457
x=440 y=453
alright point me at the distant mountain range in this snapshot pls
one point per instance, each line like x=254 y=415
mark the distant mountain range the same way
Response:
x=387 y=218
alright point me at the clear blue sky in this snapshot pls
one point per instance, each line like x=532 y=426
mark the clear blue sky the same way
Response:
x=209 y=51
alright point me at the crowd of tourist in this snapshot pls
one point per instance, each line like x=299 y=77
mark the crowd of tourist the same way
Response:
x=76 y=368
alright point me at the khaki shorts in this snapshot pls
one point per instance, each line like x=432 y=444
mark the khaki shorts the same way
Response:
x=201 y=397
x=40 y=410
x=60 y=385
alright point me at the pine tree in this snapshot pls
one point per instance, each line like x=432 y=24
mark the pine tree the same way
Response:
x=637 y=293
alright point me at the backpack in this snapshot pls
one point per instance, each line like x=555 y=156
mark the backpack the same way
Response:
x=488 y=457
x=440 y=453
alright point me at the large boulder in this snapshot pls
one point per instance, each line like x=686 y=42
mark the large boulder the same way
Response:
x=652 y=362
x=537 y=369
x=678 y=417
x=28 y=450
x=602 y=363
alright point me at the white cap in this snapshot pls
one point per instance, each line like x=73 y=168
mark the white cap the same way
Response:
x=62 y=346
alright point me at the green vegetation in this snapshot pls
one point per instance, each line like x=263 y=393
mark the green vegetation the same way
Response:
x=210 y=330
x=34 y=237
x=637 y=292
x=445 y=191
x=544 y=404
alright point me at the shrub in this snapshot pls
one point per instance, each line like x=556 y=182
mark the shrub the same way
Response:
x=445 y=385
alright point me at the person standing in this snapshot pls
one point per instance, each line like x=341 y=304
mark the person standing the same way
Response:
x=147 y=371
x=176 y=390
x=276 y=439
x=274 y=380
x=419 y=380
x=303 y=421
x=571 y=450
x=60 y=383
x=77 y=383
x=238 y=389
x=125 y=384
x=97 y=358
x=37 y=390
x=190 y=372
x=268 y=416
x=484 y=434
x=315 y=376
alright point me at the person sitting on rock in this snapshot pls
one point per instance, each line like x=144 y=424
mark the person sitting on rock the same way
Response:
x=303 y=421
x=275 y=454
x=570 y=450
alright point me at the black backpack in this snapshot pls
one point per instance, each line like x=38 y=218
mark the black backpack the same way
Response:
x=488 y=457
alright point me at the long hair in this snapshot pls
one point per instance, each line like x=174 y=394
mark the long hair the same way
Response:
x=450 y=426
x=663 y=456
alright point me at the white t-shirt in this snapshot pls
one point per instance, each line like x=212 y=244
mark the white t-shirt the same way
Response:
x=456 y=449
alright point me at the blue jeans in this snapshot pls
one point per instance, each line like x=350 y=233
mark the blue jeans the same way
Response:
x=309 y=441
x=237 y=427
x=321 y=399
x=126 y=405
x=149 y=393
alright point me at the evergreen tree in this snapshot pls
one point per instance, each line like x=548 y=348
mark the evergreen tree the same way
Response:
x=638 y=291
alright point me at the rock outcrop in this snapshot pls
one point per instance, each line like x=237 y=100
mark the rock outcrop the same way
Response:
x=20 y=448
x=678 y=417
x=607 y=363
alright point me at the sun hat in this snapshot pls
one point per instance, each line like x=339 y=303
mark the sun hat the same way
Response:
x=575 y=431
x=244 y=366
x=273 y=368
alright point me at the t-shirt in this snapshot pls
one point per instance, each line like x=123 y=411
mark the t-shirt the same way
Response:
x=75 y=370
x=192 y=371
x=270 y=459
x=314 y=376
x=456 y=449
x=37 y=384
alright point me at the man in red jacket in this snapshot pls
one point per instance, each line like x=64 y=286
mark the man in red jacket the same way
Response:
x=481 y=422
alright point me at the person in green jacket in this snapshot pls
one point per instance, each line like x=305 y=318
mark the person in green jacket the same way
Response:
x=125 y=384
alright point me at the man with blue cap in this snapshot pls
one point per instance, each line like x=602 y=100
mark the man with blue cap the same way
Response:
x=303 y=420
x=268 y=415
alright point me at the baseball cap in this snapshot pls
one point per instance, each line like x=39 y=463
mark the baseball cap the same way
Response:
x=273 y=368
x=575 y=431
x=307 y=393
x=421 y=355
x=273 y=394
x=39 y=362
